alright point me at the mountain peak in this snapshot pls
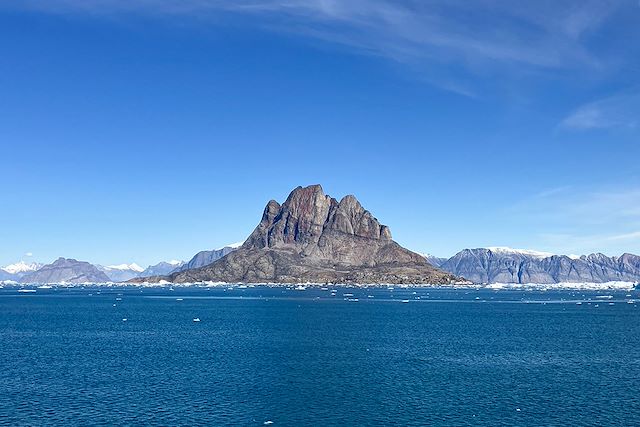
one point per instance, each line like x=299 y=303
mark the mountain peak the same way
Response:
x=21 y=267
x=308 y=214
x=66 y=270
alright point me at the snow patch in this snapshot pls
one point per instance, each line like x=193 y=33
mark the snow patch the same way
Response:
x=232 y=245
x=133 y=267
x=21 y=267
x=507 y=250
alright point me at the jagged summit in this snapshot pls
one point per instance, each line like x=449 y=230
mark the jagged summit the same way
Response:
x=308 y=217
x=312 y=237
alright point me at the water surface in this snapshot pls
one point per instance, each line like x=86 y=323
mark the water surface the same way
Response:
x=447 y=357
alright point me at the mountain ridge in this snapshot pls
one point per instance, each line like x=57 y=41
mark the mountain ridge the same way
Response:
x=487 y=265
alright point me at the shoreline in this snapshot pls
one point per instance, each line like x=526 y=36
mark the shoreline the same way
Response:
x=587 y=286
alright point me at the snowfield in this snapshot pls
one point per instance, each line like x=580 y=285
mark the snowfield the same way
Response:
x=564 y=285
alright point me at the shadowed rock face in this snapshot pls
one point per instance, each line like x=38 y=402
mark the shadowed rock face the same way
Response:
x=312 y=237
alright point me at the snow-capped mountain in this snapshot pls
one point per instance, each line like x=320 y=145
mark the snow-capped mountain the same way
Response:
x=21 y=267
x=121 y=272
x=17 y=270
x=506 y=265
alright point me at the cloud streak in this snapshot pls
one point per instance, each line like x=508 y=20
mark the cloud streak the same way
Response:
x=619 y=111
x=484 y=34
x=572 y=220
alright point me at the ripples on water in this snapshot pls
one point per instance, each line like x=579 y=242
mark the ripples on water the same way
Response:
x=307 y=358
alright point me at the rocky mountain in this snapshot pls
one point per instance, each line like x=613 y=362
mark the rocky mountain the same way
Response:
x=505 y=265
x=162 y=268
x=121 y=272
x=68 y=271
x=203 y=258
x=313 y=237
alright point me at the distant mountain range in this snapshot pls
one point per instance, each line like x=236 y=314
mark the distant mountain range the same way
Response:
x=313 y=237
x=481 y=265
x=506 y=265
x=74 y=271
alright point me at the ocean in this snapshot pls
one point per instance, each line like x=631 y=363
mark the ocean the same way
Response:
x=285 y=357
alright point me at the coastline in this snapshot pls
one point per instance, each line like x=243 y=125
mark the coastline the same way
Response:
x=587 y=286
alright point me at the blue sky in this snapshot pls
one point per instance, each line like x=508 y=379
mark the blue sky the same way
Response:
x=149 y=131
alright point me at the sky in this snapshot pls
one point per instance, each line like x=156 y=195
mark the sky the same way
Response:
x=150 y=130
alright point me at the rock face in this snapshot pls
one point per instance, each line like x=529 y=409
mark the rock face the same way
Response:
x=499 y=266
x=203 y=258
x=68 y=271
x=312 y=237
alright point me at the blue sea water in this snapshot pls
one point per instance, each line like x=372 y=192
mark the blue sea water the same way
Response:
x=260 y=355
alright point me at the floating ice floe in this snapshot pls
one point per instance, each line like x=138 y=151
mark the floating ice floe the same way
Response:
x=615 y=285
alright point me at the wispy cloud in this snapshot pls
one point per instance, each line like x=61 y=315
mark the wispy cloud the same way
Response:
x=583 y=206
x=552 y=192
x=619 y=111
x=635 y=235
x=487 y=34
x=574 y=220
